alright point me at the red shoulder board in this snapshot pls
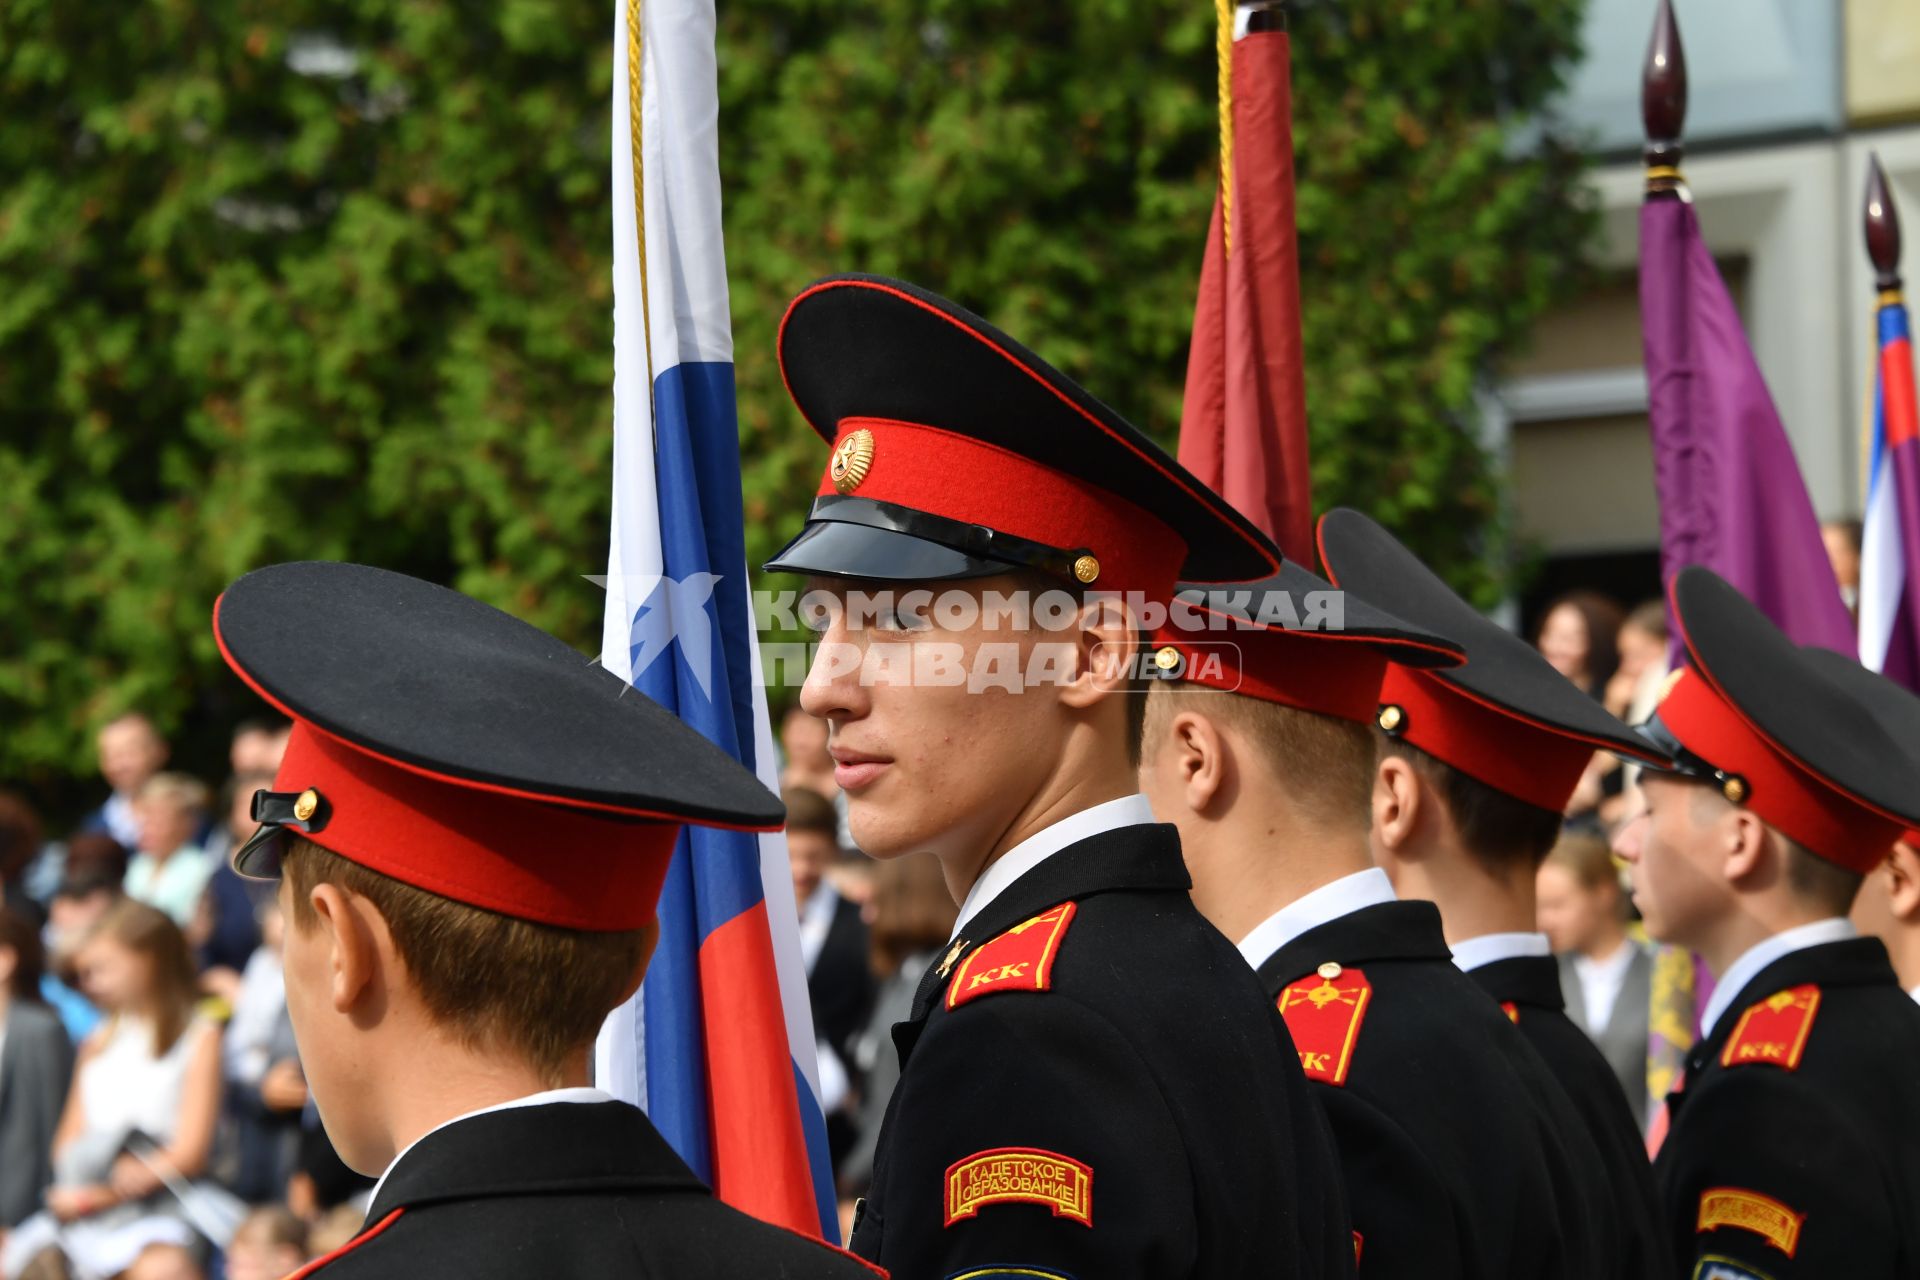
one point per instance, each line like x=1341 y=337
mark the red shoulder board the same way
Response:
x=1512 y=1011
x=1774 y=1031
x=1323 y=1014
x=1021 y=959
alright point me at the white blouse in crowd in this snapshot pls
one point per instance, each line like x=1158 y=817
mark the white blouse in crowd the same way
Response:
x=124 y=1086
x=1601 y=982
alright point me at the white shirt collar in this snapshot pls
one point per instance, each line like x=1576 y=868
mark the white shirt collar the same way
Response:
x=1915 y=993
x=579 y=1093
x=1329 y=902
x=1762 y=954
x=1472 y=953
x=1127 y=811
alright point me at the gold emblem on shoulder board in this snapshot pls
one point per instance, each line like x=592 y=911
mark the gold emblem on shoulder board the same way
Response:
x=953 y=953
x=852 y=459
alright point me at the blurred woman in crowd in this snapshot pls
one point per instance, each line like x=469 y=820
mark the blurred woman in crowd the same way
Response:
x=144 y=1100
x=1577 y=636
x=912 y=916
x=1605 y=975
x=170 y=871
x=36 y=1060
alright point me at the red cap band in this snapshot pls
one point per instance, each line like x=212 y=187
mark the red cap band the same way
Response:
x=960 y=478
x=1803 y=806
x=1310 y=670
x=1486 y=743
x=549 y=863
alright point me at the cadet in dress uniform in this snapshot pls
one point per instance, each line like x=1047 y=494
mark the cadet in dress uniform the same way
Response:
x=471 y=826
x=1479 y=764
x=1261 y=750
x=1793 y=1147
x=1093 y=1084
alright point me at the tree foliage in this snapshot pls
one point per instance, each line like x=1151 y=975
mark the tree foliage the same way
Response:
x=329 y=278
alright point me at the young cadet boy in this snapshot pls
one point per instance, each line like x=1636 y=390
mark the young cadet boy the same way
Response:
x=1793 y=1148
x=1260 y=750
x=1476 y=765
x=1092 y=1082
x=471 y=826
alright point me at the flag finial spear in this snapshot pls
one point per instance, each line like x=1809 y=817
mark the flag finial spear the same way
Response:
x=1882 y=221
x=1663 y=105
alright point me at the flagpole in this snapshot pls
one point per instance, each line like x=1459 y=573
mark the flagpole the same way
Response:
x=1663 y=107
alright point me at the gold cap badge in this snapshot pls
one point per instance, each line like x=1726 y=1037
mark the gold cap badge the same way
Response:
x=852 y=459
x=1086 y=569
x=1392 y=717
x=307 y=804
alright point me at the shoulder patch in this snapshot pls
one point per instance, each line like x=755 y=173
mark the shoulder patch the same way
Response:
x=1021 y=959
x=1323 y=1013
x=1774 y=1031
x=1751 y=1211
x=1019 y=1175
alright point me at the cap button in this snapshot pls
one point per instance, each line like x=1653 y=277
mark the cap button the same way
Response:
x=1167 y=658
x=1391 y=718
x=306 y=804
x=1086 y=569
x=1735 y=789
x=1329 y=971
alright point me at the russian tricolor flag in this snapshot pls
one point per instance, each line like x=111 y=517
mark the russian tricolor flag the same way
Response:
x=718 y=1045
x=1890 y=544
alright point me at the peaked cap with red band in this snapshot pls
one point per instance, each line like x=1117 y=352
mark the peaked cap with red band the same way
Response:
x=958 y=453
x=1292 y=639
x=1506 y=718
x=1892 y=706
x=456 y=748
x=1769 y=725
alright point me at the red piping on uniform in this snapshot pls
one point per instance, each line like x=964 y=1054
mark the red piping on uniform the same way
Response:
x=1205 y=496
x=348 y=1247
x=845 y=1253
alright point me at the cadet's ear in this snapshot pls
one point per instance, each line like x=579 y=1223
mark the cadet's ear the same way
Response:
x=1903 y=882
x=1398 y=805
x=356 y=942
x=1749 y=849
x=1107 y=642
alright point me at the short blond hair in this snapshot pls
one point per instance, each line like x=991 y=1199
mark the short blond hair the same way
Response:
x=499 y=983
x=180 y=792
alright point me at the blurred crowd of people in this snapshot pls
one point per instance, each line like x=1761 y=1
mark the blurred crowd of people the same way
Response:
x=154 y=1121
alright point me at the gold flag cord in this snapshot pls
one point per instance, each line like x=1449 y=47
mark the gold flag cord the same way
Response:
x=1223 y=11
x=636 y=67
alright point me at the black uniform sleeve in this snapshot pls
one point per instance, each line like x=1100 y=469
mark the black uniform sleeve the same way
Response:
x=1403 y=1214
x=1764 y=1178
x=1031 y=1136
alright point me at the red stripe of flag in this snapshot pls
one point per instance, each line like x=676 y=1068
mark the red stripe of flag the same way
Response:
x=1897 y=404
x=759 y=1151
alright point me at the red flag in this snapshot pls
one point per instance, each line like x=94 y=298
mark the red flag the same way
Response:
x=1243 y=427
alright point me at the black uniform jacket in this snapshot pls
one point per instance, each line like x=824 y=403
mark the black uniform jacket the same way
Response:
x=1142 y=1114
x=1447 y=1128
x=573 y=1190
x=1800 y=1157
x=1531 y=986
